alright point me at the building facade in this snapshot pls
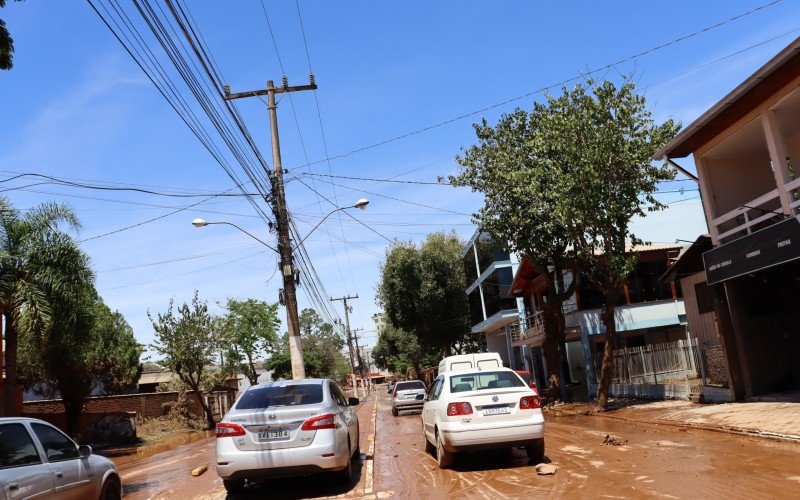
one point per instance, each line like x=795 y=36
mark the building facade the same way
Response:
x=747 y=152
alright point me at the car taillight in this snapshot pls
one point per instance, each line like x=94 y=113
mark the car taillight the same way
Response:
x=225 y=429
x=394 y=394
x=455 y=409
x=529 y=403
x=327 y=421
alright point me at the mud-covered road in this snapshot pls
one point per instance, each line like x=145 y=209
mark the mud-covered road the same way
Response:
x=656 y=461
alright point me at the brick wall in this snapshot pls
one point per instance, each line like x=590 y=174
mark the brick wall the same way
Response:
x=145 y=406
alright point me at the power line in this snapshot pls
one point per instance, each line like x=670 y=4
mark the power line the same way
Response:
x=545 y=88
x=65 y=182
x=178 y=259
x=372 y=179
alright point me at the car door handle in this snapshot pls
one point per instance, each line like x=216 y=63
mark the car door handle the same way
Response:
x=59 y=474
x=13 y=486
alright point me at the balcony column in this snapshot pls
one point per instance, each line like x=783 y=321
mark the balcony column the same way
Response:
x=778 y=155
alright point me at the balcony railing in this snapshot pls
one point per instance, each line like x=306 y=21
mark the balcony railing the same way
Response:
x=534 y=331
x=752 y=215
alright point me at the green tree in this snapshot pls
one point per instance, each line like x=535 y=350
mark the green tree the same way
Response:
x=322 y=350
x=6 y=44
x=36 y=258
x=187 y=338
x=422 y=292
x=520 y=169
x=249 y=334
x=88 y=349
x=400 y=352
x=607 y=134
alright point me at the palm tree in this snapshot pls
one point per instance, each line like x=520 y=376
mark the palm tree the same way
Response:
x=36 y=259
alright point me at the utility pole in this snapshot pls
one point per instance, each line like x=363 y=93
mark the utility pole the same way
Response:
x=282 y=217
x=360 y=356
x=349 y=336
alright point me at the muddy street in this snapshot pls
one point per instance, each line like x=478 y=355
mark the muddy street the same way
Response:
x=649 y=460
x=655 y=461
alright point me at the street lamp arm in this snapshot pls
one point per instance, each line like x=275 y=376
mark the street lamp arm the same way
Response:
x=318 y=224
x=248 y=233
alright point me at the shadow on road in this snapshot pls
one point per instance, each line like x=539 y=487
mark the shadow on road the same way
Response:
x=322 y=485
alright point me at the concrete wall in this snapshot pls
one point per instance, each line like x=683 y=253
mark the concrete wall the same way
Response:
x=496 y=342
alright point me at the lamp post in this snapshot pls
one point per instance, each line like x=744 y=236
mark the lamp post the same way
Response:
x=295 y=349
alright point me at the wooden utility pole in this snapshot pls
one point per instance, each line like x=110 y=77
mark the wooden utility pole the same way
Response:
x=282 y=217
x=349 y=336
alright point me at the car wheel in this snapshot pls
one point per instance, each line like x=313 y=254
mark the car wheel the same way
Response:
x=443 y=457
x=110 y=490
x=394 y=411
x=233 y=486
x=346 y=475
x=535 y=450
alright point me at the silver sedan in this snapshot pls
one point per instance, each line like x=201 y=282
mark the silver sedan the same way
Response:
x=287 y=428
x=38 y=460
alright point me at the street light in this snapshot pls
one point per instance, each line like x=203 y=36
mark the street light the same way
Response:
x=295 y=350
x=360 y=204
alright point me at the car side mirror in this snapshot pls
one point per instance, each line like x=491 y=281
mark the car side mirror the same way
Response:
x=389 y=391
x=352 y=401
x=85 y=451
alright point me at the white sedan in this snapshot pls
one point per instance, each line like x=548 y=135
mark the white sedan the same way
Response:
x=479 y=409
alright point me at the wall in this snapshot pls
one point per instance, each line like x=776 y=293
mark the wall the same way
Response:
x=144 y=405
x=496 y=342
x=701 y=326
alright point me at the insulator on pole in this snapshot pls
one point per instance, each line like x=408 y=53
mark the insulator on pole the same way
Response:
x=312 y=79
x=285 y=81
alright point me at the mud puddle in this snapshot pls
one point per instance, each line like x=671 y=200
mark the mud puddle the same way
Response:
x=125 y=454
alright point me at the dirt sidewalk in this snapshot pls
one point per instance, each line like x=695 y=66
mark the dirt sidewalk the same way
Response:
x=771 y=420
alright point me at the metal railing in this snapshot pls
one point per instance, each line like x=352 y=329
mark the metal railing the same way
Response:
x=669 y=363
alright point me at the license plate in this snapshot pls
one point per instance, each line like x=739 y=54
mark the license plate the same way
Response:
x=270 y=435
x=496 y=410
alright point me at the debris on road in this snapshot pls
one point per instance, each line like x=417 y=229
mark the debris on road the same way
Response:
x=199 y=470
x=613 y=440
x=546 y=469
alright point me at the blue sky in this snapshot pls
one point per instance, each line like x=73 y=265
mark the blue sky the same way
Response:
x=75 y=105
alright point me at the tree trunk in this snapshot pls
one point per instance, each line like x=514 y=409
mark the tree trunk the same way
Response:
x=210 y=422
x=72 y=412
x=12 y=383
x=253 y=375
x=606 y=368
x=553 y=348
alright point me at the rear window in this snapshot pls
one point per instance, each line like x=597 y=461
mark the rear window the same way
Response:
x=407 y=386
x=285 y=395
x=483 y=381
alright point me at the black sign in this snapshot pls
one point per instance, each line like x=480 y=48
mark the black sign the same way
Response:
x=765 y=248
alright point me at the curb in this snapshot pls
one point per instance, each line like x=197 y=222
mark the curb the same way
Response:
x=775 y=436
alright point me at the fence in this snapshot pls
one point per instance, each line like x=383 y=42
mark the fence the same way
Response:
x=668 y=363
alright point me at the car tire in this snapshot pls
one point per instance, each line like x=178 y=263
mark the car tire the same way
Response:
x=394 y=411
x=443 y=457
x=110 y=490
x=429 y=447
x=233 y=486
x=535 y=450
x=357 y=452
x=345 y=476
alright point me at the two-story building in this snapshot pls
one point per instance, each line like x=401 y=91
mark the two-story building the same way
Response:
x=494 y=313
x=653 y=313
x=746 y=150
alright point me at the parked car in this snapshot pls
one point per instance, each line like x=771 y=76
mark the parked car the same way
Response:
x=287 y=428
x=38 y=460
x=479 y=404
x=408 y=395
x=529 y=379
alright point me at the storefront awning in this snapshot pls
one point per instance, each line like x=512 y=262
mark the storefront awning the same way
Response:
x=768 y=247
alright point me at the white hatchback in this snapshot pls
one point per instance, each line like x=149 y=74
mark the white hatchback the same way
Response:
x=482 y=408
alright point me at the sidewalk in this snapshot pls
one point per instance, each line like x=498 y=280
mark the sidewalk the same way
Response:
x=770 y=420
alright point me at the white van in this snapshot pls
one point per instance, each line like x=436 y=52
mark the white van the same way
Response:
x=480 y=361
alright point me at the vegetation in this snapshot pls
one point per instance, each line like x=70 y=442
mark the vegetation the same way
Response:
x=6 y=44
x=562 y=184
x=400 y=352
x=249 y=333
x=422 y=293
x=187 y=338
x=322 y=350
